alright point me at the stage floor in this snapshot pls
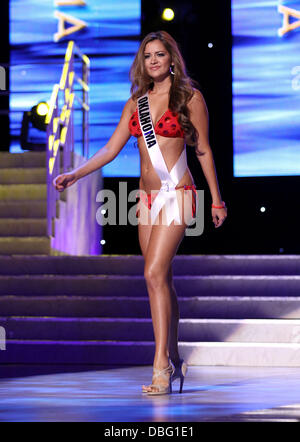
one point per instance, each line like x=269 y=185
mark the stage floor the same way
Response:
x=211 y=394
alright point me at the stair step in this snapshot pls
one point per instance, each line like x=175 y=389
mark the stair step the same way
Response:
x=53 y=328
x=25 y=192
x=23 y=227
x=204 y=307
x=140 y=329
x=134 y=264
x=124 y=285
x=74 y=306
x=240 y=330
x=25 y=209
x=142 y=352
x=24 y=246
x=241 y=354
x=72 y=265
x=36 y=175
x=26 y=159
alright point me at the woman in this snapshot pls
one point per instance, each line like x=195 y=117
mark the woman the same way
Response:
x=163 y=112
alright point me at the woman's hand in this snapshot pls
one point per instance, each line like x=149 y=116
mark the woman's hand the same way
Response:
x=218 y=216
x=61 y=182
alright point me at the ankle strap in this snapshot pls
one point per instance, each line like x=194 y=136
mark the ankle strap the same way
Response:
x=164 y=372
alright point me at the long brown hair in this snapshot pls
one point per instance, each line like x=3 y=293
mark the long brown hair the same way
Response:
x=182 y=88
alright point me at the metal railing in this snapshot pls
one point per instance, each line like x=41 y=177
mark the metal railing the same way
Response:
x=60 y=123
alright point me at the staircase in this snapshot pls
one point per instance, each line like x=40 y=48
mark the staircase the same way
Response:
x=235 y=310
x=23 y=204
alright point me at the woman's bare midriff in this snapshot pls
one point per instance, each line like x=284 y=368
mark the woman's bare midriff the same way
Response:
x=171 y=149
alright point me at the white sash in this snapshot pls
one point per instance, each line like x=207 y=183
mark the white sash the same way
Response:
x=169 y=180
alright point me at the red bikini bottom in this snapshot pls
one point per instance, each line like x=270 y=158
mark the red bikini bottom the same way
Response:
x=149 y=198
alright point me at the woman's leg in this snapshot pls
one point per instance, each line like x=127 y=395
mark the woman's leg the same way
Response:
x=162 y=246
x=188 y=206
x=159 y=244
x=144 y=232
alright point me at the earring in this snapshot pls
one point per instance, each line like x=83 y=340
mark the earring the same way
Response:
x=172 y=69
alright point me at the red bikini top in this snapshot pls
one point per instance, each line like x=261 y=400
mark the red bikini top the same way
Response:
x=167 y=125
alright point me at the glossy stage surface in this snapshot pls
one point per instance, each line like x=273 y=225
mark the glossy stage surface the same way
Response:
x=113 y=395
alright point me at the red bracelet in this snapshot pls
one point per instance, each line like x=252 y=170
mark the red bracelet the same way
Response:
x=218 y=207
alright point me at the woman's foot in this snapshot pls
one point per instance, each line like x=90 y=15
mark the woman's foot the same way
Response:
x=176 y=361
x=161 y=380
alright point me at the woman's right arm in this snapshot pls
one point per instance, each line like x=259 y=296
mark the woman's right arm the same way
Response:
x=104 y=155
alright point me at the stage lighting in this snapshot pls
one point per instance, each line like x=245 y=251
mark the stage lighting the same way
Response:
x=168 y=14
x=37 y=115
x=33 y=130
x=42 y=109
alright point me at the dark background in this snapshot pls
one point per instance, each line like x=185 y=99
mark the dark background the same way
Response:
x=246 y=229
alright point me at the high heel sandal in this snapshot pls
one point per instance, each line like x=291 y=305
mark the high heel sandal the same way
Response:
x=180 y=373
x=167 y=373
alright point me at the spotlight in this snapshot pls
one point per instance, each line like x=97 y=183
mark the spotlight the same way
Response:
x=42 y=109
x=37 y=115
x=33 y=130
x=168 y=14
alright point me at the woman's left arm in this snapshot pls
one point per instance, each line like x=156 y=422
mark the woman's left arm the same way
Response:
x=200 y=119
